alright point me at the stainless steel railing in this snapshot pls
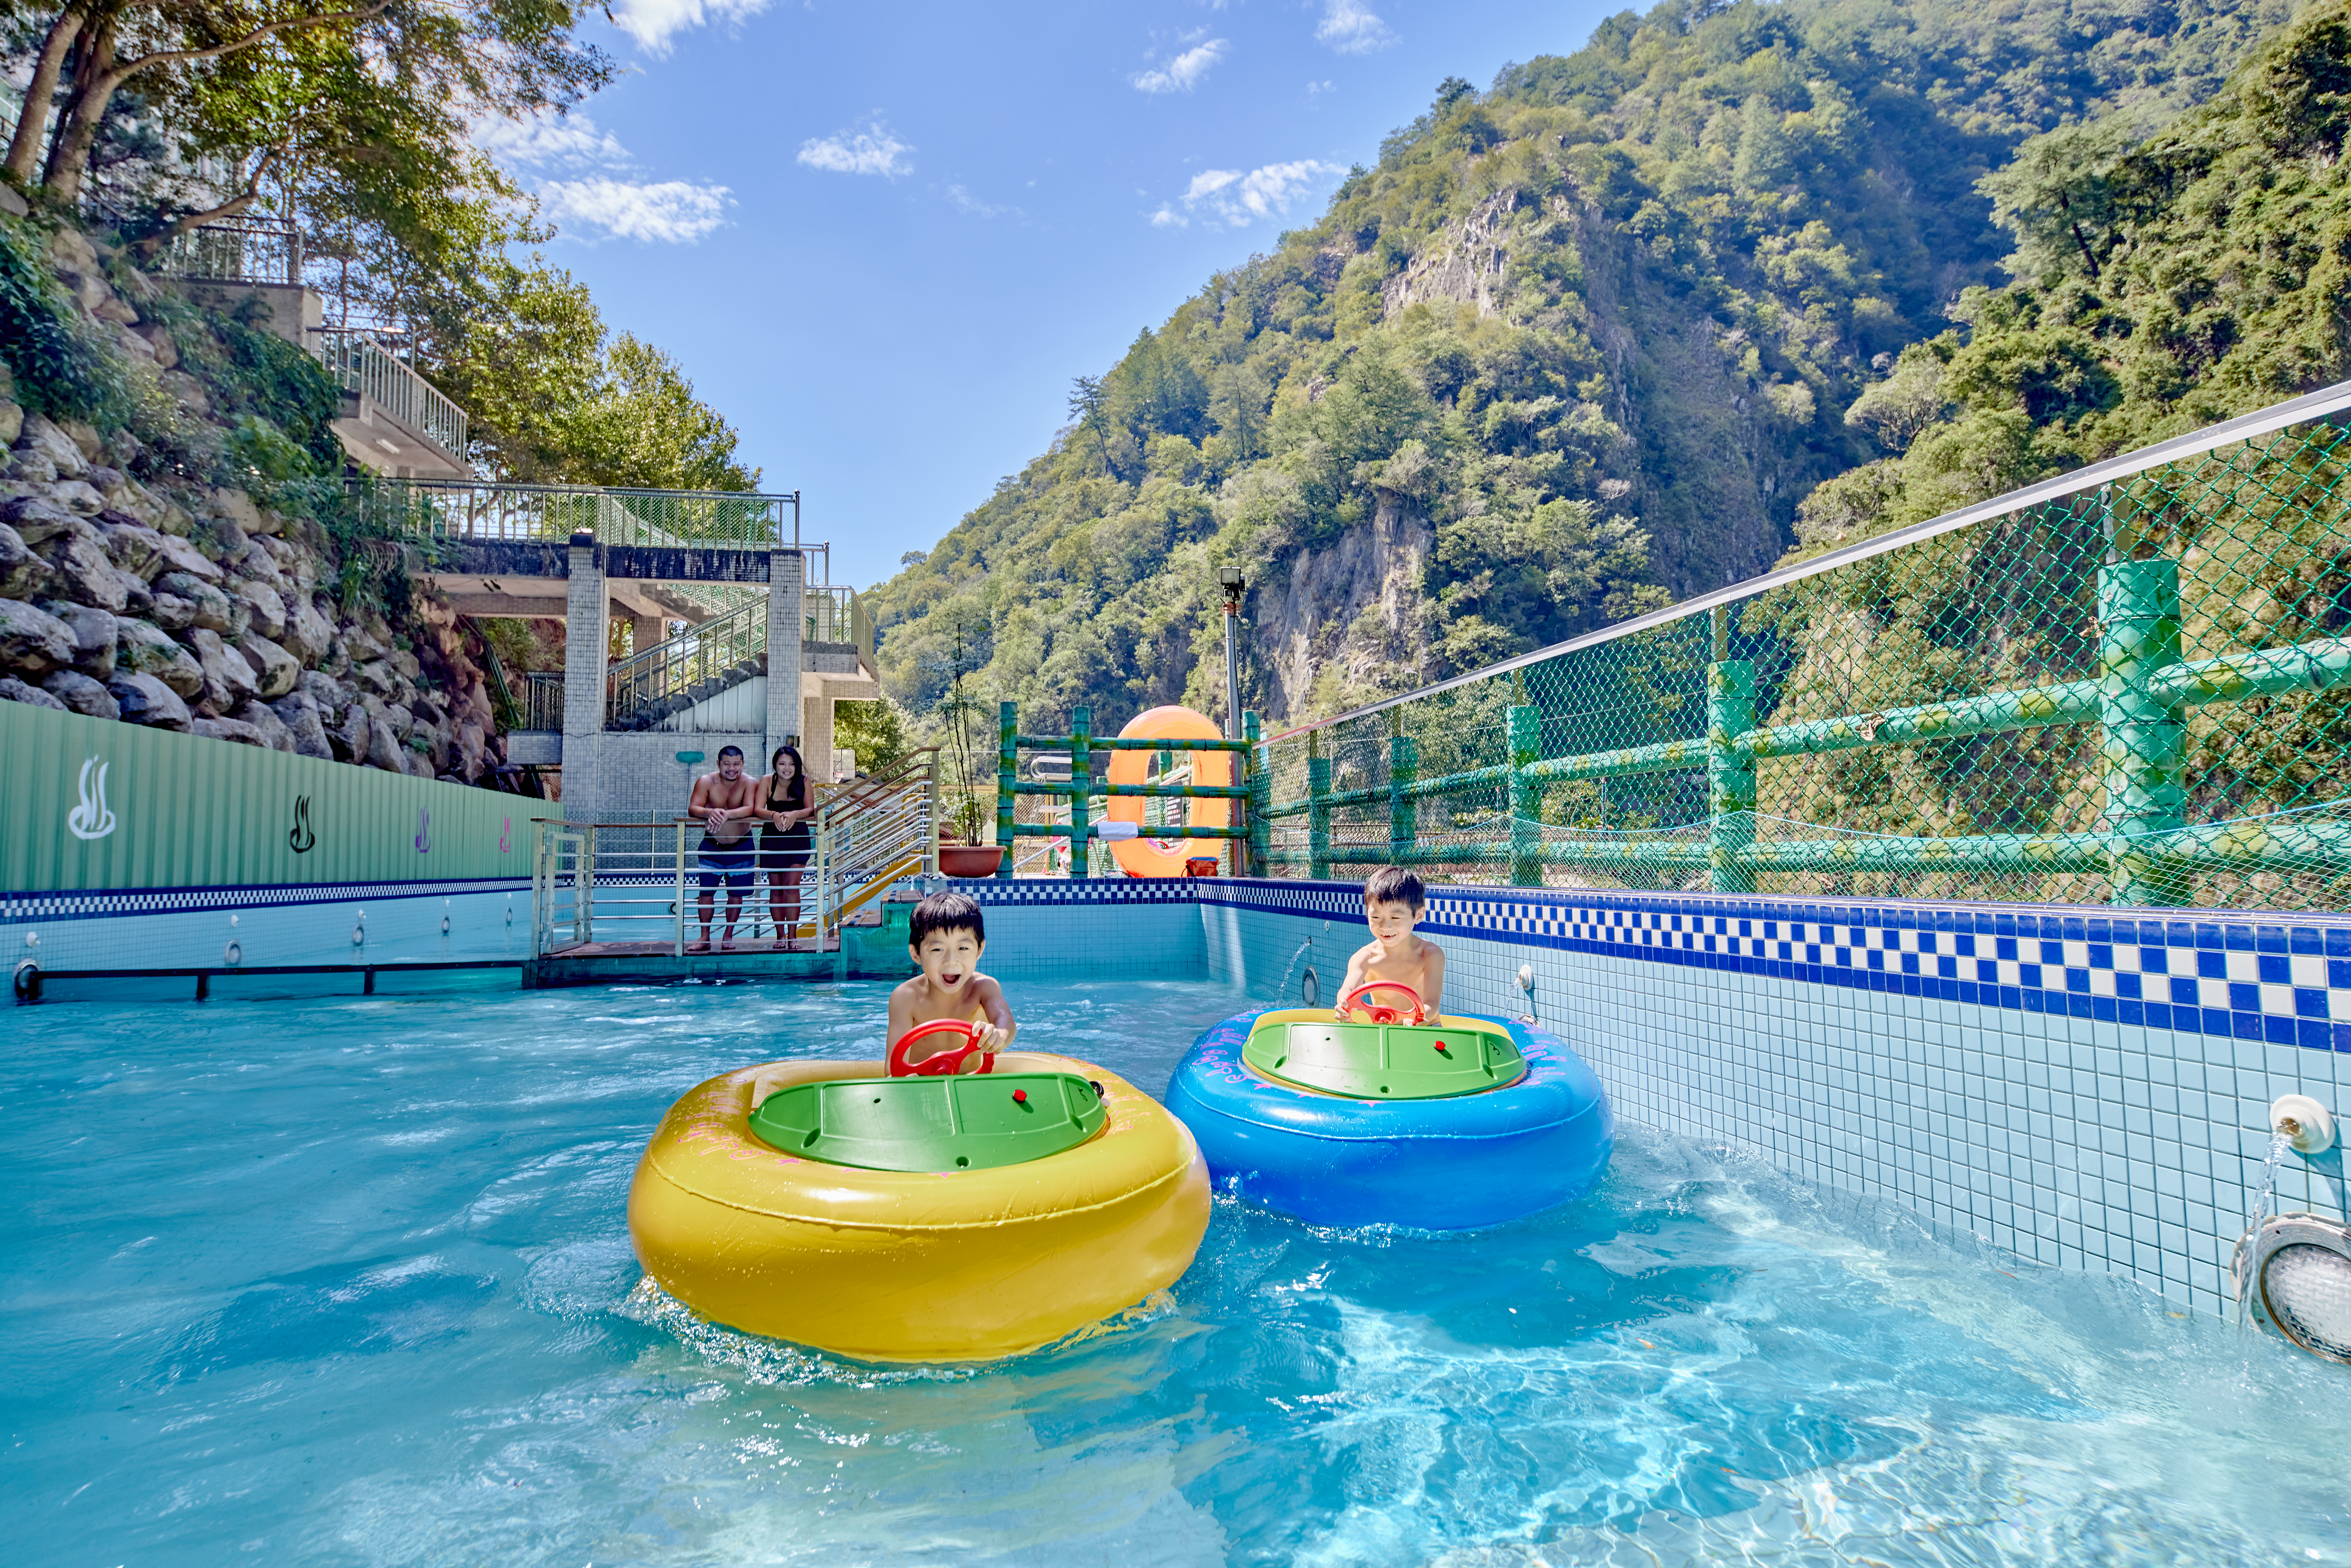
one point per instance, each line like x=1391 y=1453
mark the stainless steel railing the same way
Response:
x=720 y=651
x=463 y=509
x=236 y=250
x=361 y=364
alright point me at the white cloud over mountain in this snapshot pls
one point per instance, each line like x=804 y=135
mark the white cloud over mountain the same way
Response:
x=1185 y=71
x=872 y=151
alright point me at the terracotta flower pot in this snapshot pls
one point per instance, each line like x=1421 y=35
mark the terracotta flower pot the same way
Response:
x=970 y=860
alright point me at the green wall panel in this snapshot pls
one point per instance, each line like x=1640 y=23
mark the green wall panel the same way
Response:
x=95 y=804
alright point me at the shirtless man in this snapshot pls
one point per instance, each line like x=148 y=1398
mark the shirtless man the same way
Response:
x=946 y=934
x=1394 y=901
x=725 y=804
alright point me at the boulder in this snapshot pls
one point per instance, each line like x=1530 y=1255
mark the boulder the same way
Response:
x=384 y=749
x=16 y=691
x=406 y=663
x=213 y=611
x=28 y=467
x=273 y=730
x=148 y=649
x=185 y=389
x=23 y=574
x=227 y=729
x=299 y=714
x=170 y=611
x=469 y=748
x=44 y=440
x=376 y=676
x=79 y=497
x=179 y=555
x=309 y=634
x=38 y=519
x=95 y=635
x=146 y=700
x=81 y=695
x=32 y=640
x=237 y=507
x=356 y=735
x=276 y=672
x=86 y=573
x=134 y=547
x=330 y=695
x=12 y=422
x=228 y=679
x=264 y=610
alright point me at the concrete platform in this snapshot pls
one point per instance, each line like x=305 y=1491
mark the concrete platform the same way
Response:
x=875 y=952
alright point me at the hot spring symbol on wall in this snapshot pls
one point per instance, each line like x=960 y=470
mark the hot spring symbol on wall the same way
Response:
x=92 y=819
x=299 y=838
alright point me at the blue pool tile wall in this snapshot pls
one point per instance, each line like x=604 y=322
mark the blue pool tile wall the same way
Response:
x=2086 y=1089
x=187 y=927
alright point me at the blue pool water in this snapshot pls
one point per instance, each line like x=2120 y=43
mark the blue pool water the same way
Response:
x=348 y=1282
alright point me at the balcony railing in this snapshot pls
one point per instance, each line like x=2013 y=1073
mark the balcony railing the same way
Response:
x=835 y=614
x=236 y=250
x=361 y=364
x=460 y=509
x=541 y=701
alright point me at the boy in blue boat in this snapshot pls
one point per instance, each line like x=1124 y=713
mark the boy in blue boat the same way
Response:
x=1394 y=901
x=946 y=935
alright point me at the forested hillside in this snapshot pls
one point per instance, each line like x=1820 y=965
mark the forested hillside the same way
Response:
x=1582 y=343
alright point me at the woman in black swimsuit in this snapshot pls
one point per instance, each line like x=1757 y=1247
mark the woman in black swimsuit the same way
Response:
x=785 y=841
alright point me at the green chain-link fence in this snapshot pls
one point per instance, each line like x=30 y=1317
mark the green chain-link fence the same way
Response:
x=2132 y=686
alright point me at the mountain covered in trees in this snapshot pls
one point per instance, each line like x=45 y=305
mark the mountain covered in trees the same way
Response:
x=1637 y=320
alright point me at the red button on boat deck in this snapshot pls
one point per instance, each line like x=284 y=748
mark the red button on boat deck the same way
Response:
x=1020 y=1096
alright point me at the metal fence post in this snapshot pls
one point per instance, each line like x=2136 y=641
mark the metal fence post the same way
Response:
x=931 y=815
x=1318 y=809
x=1008 y=764
x=678 y=909
x=1248 y=852
x=1729 y=774
x=1081 y=783
x=2144 y=740
x=1526 y=796
x=586 y=884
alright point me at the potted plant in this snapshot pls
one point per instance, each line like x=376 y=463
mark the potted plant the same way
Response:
x=965 y=813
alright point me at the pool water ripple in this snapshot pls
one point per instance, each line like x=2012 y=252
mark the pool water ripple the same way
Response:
x=348 y=1282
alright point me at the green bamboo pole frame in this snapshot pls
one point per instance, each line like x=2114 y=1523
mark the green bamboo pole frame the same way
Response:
x=1079 y=791
x=2139 y=699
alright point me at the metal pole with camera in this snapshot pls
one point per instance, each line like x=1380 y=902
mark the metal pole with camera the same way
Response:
x=1228 y=578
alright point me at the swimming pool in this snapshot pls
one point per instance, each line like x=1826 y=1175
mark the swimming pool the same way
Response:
x=347 y=1281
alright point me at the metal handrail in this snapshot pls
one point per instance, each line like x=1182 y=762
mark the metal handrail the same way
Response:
x=729 y=645
x=463 y=509
x=873 y=832
x=235 y=250
x=542 y=700
x=361 y=364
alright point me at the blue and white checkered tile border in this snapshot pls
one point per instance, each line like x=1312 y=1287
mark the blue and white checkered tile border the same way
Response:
x=55 y=906
x=2282 y=980
x=1079 y=890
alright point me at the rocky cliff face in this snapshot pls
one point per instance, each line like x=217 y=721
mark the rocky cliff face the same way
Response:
x=200 y=610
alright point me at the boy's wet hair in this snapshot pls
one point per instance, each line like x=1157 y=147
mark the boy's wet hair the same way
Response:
x=946 y=912
x=1394 y=885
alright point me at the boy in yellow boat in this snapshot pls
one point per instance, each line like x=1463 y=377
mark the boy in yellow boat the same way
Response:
x=946 y=936
x=1394 y=901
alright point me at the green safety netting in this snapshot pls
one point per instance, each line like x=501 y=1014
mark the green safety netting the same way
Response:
x=2137 y=692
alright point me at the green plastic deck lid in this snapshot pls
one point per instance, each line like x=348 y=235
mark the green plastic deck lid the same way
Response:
x=970 y=1122
x=1383 y=1061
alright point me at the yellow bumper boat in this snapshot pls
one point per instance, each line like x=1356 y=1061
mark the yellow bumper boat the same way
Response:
x=933 y=1217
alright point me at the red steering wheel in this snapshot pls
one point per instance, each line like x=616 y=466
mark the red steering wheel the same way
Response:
x=940 y=1063
x=1384 y=1015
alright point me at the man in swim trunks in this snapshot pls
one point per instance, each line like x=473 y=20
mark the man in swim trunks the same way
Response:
x=946 y=935
x=723 y=803
x=1394 y=901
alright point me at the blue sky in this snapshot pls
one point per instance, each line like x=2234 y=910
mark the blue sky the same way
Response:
x=881 y=237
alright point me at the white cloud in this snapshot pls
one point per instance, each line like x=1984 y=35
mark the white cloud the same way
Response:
x=670 y=210
x=1167 y=217
x=1352 y=28
x=1185 y=70
x=965 y=202
x=570 y=141
x=1234 y=199
x=873 y=150
x=653 y=23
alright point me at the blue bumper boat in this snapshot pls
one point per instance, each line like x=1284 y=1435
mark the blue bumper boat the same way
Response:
x=1438 y=1125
